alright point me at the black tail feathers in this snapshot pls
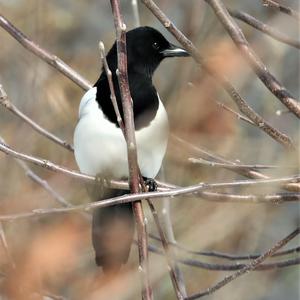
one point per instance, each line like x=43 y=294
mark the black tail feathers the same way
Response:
x=112 y=234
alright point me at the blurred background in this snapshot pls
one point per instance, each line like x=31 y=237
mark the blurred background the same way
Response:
x=53 y=254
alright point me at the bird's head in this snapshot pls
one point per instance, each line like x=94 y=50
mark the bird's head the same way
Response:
x=146 y=48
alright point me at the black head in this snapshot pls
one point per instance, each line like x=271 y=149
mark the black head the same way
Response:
x=146 y=48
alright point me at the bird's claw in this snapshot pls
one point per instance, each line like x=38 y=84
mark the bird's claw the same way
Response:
x=151 y=184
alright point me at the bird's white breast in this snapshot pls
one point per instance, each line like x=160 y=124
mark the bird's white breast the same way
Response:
x=100 y=147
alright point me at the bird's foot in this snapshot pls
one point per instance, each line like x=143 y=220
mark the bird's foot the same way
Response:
x=151 y=184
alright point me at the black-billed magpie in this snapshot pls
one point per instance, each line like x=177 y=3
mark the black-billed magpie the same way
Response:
x=100 y=148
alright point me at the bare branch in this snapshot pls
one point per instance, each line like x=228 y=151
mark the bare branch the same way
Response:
x=6 y=248
x=257 y=65
x=131 y=147
x=5 y=102
x=248 y=172
x=283 y=8
x=46 y=56
x=205 y=162
x=246 y=269
x=136 y=14
x=240 y=102
x=267 y=29
x=236 y=114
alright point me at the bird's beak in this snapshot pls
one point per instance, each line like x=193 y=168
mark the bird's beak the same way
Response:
x=173 y=51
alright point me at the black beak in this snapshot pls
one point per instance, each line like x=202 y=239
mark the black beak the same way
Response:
x=174 y=51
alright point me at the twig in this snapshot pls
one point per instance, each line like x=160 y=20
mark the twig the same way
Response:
x=240 y=102
x=257 y=65
x=131 y=147
x=246 y=269
x=151 y=205
x=111 y=87
x=135 y=9
x=5 y=102
x=229 y=267
x=267 y=29
x=223 y=255
x=46 y=56
x=205 y=162
x=250 y=173
x=236 y=114
x=283 y=8
x=6 y=248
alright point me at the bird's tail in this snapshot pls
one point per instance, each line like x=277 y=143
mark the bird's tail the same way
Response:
x=112 y=234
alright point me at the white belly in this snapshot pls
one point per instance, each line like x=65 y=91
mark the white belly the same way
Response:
x=100 y=147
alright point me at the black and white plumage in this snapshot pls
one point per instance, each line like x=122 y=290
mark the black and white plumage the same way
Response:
x=100 y=148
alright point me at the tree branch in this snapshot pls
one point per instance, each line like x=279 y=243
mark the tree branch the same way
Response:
x=275 y=87
x=246 y=269
x=131 y=147
x=281 y=138
x=5 y=102
x=283 y=8
x=46 y=56
x=267 y=29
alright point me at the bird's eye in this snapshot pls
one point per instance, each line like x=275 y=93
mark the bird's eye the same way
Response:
x=155 y=46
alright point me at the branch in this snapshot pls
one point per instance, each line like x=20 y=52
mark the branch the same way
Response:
x=269 y=30
x=240 y=102
x=285 y=9
x=248 y=172
x=257 y=65
x=131 y=147
x=5 y=102
x=246 y=269
x=228 y=256
x=46 y=56
x=151 y=205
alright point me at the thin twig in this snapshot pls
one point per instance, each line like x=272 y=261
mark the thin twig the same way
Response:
x=135 y=9
x=205 y=162
x=267 y=29
x=5 y=102
x=46 y=56
x=283 y=8
x=246 y=269
x=275 y=87
x=111 y=87
x=207 y=154
x=131 y=147
x=151 y=205
x=6 y=248
x=236 y=114
x=229 y=267
x=240 y=102
x=223 y=255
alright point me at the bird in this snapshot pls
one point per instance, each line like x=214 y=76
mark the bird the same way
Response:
x=100 y=147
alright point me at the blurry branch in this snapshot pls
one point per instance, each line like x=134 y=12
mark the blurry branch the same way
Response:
x=205 y=162
x=247 y=268
x=267 y=29
x=151 y=205
x=229 y=267
x=285 y=9
x=5 y=102
x=240 y=102
x=134 y=177
x=228 y=256
x=51 y=59
x=136 y=14
x=236 y=114
x=248 y=172
x=6 y=248
x=254 y=61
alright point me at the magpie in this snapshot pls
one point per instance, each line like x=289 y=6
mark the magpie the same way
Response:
x=100 y=147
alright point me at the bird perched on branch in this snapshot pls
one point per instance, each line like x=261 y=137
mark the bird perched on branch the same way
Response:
x=100 y=147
